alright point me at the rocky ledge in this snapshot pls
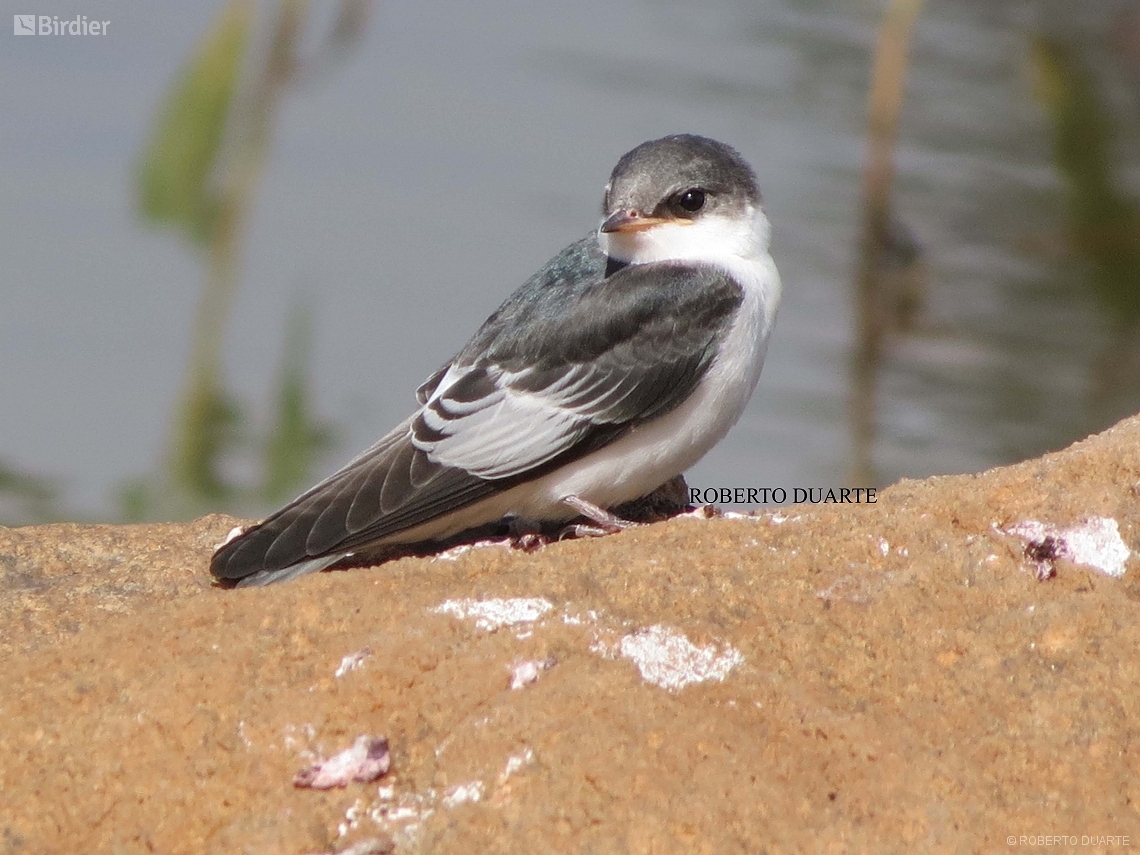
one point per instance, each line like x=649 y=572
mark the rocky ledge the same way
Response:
x=953 y=668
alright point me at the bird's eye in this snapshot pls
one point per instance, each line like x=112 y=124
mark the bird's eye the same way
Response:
x=691 y=200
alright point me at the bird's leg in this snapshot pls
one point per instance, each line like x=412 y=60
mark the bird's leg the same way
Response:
x=604 y=521
x=600 y=516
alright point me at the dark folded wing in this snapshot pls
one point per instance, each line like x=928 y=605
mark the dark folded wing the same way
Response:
x=564 y=367
x=543 y=374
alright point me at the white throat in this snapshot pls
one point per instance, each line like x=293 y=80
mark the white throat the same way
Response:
x=713 y=239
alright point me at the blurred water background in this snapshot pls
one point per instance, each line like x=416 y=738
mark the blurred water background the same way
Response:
x=237 y=236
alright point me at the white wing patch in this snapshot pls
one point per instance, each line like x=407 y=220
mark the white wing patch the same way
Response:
x=509 y=430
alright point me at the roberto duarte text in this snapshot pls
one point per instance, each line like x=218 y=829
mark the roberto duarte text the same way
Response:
x=782 y=496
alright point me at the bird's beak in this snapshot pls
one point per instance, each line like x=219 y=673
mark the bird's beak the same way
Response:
x=629 y=221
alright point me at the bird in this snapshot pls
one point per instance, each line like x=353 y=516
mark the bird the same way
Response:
x=609 y=372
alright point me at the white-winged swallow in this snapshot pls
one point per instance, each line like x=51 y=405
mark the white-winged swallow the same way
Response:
x=613 y=369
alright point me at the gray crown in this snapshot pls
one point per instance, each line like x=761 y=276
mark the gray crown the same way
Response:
x=648 y=176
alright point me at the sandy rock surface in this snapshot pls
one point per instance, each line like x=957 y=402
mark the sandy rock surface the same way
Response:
x=896 y=677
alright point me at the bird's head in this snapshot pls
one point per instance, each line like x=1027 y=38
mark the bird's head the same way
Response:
x=682 y=197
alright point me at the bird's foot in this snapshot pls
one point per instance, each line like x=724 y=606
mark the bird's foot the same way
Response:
x=603 y=521
x=576 y=530
x=526 y=535
x=529 y=542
